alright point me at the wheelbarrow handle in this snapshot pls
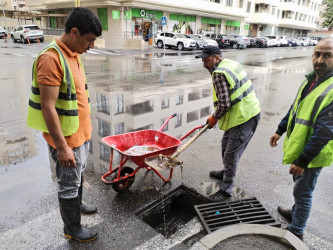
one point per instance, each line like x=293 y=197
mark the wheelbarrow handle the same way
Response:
x=167 y=120
x=189 y=142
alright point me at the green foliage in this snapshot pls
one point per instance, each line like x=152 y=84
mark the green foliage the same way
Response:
x=327 y=14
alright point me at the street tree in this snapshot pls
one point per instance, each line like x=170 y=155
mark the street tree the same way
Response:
x=327 y=14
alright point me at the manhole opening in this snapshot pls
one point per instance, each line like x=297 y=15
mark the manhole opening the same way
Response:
x=172 y=211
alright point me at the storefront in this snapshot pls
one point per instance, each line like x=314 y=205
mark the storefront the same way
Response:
x=210 y=25
x=184 y=24
x=232 y=27
x=146 y=23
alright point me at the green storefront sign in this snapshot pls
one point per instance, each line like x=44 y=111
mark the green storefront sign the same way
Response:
x=246 y=27
x=128 y=15
x=147 y=13
x=232 y=23
x=115 y=14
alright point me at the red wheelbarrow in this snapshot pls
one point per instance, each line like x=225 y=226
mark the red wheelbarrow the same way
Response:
x=136 y=147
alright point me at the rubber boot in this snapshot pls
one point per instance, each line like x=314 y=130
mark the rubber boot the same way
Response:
x=85 y=208
x=71 y=216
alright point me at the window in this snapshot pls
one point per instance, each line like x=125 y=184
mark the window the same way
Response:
x=104 y=128
x=296 y=15
x=204 y=112
x=256 y=8
x=228 y=3
x=248 y=7
x=103 y=104
x=179 y=99
x=206 y=93
x=118 y=104
x=104 y=152
x=278 y=13
x=119 y=128
x=273 y=11
x=165 y=103
x=103 y=17
x=240 y=3
x=179 y=120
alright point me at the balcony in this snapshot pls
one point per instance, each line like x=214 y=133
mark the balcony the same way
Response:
x=292 y=23
x=264 y=18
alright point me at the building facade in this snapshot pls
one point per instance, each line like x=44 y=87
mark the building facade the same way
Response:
x=123 y=20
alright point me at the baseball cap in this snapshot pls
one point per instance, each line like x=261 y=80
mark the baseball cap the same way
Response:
x=208 y=51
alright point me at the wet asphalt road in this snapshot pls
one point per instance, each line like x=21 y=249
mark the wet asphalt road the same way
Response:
x=131 y=91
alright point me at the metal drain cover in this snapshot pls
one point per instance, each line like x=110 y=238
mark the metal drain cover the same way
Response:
x=220 y=214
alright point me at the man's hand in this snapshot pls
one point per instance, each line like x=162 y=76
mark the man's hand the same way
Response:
x=211 y=121
x=296 y=170
x=273 y=140
x=66 y=157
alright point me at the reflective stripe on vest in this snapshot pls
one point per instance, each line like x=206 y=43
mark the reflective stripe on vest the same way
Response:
x=240 y=89
x=304 y=123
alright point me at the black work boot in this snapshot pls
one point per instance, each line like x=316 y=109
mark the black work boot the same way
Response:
x=71 y=216
x=217 y=174
x=85 y=208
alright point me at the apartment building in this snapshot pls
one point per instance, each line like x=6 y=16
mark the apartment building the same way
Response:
x=123 y=20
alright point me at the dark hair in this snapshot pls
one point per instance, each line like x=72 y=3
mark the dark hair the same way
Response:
x=84 y=20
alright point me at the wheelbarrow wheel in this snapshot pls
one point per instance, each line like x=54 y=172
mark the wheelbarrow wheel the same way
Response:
x=121 y=186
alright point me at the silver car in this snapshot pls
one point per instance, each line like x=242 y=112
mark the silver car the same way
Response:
x=210 y=42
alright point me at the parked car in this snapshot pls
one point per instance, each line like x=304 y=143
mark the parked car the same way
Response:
x=222 y=40
x=3 y=32
x=275 y=40
x=177 y=40
x=284 y=41
x=210 y=42
x=271 y=42
x=314 y=40
x=303 y=41
x=261 y=42
x=239 y=42
x=24 y=32
x=200 y=42
x=253 y=41
x=292 y=42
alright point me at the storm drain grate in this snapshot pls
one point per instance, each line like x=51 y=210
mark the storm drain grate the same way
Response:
x=220 y=214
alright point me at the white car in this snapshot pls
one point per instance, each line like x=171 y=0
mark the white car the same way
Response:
x=303 y=41
x=180 y=41
x=270 y=41
x=3 y=32
x=314 y=40
x=210 y=42
x=24 y=32
x=284 y=41
x=275 y=40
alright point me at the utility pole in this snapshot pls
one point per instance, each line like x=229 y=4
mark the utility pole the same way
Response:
x=3 y=3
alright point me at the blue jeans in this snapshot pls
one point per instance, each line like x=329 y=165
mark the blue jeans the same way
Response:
x=69 y=179
x=234 y=142
x=303 y=189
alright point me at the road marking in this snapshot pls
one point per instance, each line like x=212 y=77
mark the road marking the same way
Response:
x=160 y=242
x=44 y=232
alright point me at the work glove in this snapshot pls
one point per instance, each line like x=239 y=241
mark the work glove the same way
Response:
x=211 y=121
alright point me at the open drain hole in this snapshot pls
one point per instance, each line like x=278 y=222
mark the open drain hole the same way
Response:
x=171 y=212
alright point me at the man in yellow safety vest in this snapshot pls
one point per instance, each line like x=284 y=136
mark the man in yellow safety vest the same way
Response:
x=308 y=144
x=59 y=107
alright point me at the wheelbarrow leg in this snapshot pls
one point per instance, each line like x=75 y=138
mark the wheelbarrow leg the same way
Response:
x=161 y=176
